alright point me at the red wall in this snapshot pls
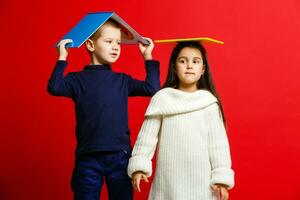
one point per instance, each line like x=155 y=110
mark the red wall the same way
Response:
x=256 y=73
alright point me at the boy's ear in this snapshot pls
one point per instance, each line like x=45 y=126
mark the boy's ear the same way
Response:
x=89 y=44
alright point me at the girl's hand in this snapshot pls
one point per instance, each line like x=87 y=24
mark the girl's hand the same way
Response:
x=146 y=50
x=61 y=49
x=136 y=179
x=222 y=190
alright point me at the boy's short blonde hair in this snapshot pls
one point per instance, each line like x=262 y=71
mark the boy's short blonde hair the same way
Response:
x=110 y=22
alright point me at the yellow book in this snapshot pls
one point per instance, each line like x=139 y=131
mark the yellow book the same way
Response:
x=202 y=39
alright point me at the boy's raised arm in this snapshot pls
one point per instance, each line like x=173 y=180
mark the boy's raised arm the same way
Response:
x=58 y=85
x=151 y=84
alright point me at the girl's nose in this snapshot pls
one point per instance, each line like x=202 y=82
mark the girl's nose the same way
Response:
x=189 y=65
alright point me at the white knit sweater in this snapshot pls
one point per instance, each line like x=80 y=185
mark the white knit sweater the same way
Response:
x=193 y=151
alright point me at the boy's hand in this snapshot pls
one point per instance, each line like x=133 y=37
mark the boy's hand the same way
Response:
x=222 y=190
x=136 y=179
x=61 y=49
x=146 y=50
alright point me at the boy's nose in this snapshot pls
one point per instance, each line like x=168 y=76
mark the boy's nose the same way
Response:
x=115 y=47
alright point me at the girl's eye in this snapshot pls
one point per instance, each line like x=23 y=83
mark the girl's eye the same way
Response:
x=182 y=61
x=108 y=41
x=196 y=61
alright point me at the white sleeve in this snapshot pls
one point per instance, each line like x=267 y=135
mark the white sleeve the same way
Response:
x=219 y=151
x=145 y=146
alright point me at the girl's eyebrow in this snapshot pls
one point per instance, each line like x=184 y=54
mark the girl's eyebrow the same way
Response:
x=182 y=57
x=185 y=57
x=198 y=58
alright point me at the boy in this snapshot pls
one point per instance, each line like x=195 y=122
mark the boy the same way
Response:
x=101 y=102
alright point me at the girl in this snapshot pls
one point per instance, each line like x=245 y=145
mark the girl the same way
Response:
x=186 y=120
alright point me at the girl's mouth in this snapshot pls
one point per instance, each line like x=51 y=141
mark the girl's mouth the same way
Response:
x=189 y=73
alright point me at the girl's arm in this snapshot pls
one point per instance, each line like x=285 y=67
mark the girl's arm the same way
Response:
x=145 y=146
x=219 y=152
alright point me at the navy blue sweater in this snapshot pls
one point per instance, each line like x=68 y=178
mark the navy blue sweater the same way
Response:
x=101 y=103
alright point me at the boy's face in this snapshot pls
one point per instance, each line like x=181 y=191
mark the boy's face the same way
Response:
x=107 y=47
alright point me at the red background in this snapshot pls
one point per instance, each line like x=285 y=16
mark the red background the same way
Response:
x=256 y=73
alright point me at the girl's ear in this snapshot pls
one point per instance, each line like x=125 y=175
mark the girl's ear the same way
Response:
x=174 y=68
x=203 y=70
x=90 y=45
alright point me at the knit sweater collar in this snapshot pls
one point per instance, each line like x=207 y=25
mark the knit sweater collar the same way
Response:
x=97 y=67
x=170 y=101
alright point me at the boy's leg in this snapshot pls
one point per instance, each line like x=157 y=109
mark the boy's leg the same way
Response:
x=87 y=178
x=118 y=182
x=86 y=195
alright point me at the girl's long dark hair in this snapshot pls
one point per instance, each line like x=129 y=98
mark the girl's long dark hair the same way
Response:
x=205 y=82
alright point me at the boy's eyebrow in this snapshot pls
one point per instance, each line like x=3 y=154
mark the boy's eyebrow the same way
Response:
x=109 y=38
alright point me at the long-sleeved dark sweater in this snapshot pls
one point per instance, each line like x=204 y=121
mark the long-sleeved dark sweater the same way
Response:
x=101 y=102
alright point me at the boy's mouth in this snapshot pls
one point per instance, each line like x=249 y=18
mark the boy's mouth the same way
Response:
x=114 y=54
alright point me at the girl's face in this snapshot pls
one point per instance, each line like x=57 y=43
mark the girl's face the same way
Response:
x=189 y=68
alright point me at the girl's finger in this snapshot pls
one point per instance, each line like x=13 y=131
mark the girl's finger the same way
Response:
x=145 y=178
x=133 y=184
x=138 y=185
x=224 y=193
x=215 y=188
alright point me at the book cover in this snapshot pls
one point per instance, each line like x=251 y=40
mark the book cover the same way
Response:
x=91 y=22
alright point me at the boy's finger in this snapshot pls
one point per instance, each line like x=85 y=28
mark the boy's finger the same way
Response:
x=64 y=42
x=149 y=40
x=68 y=40
x=141 y=45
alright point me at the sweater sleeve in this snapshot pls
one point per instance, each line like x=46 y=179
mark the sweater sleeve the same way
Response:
x=219 y=150
x=145 y=146
x=58 y=84
x=150 y=85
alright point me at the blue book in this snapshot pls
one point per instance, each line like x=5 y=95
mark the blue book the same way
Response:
x=91 y=22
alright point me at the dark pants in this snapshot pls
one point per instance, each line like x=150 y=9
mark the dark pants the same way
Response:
x=91 y=170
